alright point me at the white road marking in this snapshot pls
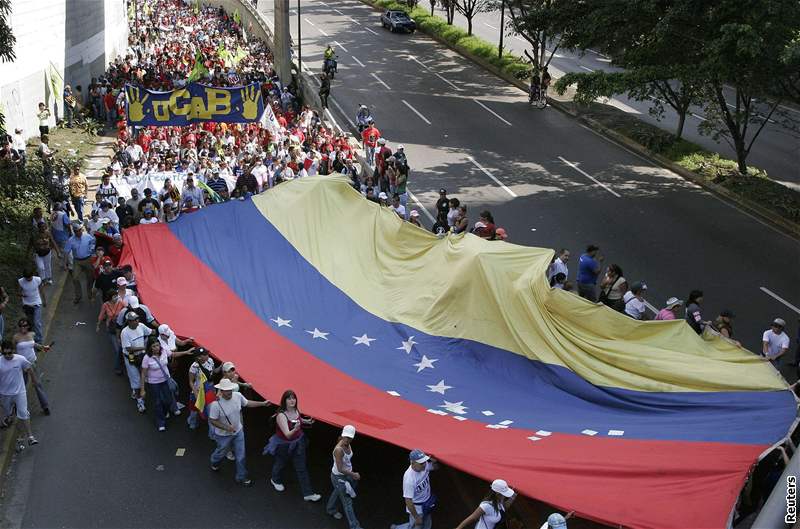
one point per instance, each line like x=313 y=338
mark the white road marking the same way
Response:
x=369 y=30
x=790 y=109
x=597 y=53
x=330 y=115
x=586 y=68
x=768 y=292
x=379 y=80
x=495 y=114
x=490 y=26
x=434 y=73
x=354 y=20
x=701 y=118
x=339 y=12
x=359 y=62
x=340 y=45
x=490 y=175
x=315 y=27
x=446 y=81
x=423 y=208
x=415 y=111
x=350 y=121
x=590 y=177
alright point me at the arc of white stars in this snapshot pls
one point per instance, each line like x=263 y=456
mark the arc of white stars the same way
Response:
x=425 y=363
x=280 y=322
x=316 y=333
x=363 y=340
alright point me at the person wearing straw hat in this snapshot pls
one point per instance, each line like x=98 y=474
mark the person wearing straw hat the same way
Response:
x=224 y=414
x=493 y=508
x=343 y=478
x=670 y=311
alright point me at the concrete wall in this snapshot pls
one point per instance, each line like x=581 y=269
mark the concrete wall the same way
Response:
x=79 y=38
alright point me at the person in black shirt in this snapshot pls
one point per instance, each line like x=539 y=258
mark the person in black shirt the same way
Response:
x=123 y=210
x=440 y=227
x=148 y=199
x=106 y=281
x=443 y=204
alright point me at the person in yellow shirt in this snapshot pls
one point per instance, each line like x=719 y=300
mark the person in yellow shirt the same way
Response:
x=78 y=190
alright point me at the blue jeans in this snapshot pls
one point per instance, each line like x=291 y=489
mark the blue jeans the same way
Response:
x=34 y=313
x=160 y=401
x=298 y=457
x=40 y=394
x=77 y=203
x=227 y=443
x=426 y=522
x=339 y=494
x=116 y=347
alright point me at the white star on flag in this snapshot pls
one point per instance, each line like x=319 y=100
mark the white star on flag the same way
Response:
x=282 y=323
x=439 y=388
x=407 y=345
x=425 y=362
x=363 y=339
x=454 y=407
x=316 y=333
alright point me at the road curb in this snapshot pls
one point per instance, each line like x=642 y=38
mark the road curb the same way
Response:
x=785 y=226
x=7 y=449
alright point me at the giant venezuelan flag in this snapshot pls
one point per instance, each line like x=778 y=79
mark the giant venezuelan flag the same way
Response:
x=458 y=346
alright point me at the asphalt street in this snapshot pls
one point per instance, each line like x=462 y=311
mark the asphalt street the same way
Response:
x=548 y=180
x=777 y=149
x=100 y=464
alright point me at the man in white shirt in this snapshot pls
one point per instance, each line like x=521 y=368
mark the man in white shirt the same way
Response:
x=398 y=207
x=225 y=415
x=31 y=291
x=775 y=342
x=18 y=144
x=417 y=491
x=107 y=213
x=560 y=264
x=12 y=389
x=133 y=340
x=192 y=196
x=134 y=150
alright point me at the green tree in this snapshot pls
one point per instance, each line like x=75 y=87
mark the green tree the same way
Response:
x=736 y=58
x=470 y=8
x=6 y=44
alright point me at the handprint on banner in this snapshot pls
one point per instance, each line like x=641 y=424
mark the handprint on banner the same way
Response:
x=250 y=95
x=136 y=104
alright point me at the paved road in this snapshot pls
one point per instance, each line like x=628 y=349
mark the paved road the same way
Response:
x=777 y=149
x=547 y=179
x=100 y=464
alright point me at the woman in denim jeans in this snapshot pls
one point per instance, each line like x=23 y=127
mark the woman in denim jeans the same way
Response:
x=343 y=478
x=289 y=443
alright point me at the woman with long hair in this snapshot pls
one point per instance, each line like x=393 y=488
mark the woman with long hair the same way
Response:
x=26 y=345
x=156 y=378
x=289 y=442
x=493 y=508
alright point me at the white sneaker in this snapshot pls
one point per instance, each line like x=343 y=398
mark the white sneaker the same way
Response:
x=312 y=497
x=162 y=428
x=177 y=412
x=337 y=515
x=230 y=456
x=278 y=486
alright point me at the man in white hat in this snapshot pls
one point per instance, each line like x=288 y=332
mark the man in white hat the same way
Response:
x=775 y=342
x=343 y=478
x=225 y=416
x=142 y=310
x=417 y=491
x=133 y=340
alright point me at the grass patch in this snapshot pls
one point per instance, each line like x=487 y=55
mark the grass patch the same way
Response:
x=755 y=186
x=20 y=194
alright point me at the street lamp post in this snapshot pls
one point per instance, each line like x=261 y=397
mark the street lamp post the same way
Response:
x=502 y=28
x=299 y=41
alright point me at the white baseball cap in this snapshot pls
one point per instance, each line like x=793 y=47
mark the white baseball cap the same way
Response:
x=121 y=281
x=349 y=431
x=227 y=366
x=133 y=302
x=501 y=487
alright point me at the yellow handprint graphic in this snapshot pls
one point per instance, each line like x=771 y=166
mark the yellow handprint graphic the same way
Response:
x=250 y=95
x=136 y=104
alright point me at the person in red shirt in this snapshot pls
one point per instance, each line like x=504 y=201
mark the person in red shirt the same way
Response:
x=115 y=250
x=370 y=137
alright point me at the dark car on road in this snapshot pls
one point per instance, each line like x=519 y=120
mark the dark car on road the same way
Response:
x=398 y=21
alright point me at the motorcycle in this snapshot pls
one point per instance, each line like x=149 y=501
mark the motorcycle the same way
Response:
x=330 y=67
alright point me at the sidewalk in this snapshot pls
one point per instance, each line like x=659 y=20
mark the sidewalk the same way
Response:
x=96 y=161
